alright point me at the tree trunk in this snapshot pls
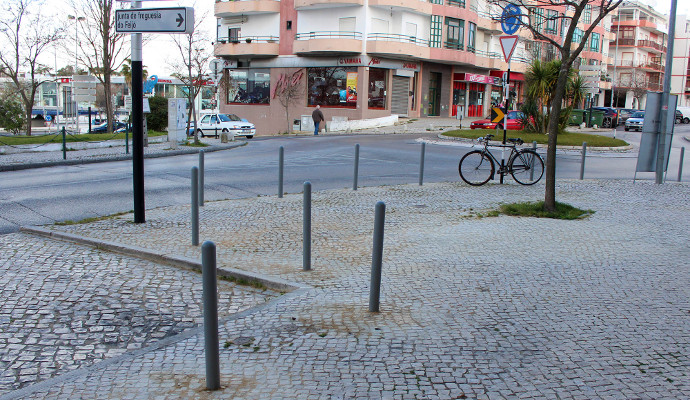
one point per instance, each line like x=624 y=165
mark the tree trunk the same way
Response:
x=110 y=114
x=559 y=92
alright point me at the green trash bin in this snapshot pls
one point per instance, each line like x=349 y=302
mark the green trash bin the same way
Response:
x=597 y=118
x=576 y=117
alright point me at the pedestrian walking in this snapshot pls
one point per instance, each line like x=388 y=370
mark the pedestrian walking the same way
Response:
x=317 y=116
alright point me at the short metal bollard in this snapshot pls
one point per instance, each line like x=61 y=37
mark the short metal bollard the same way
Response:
x=582 y=163
x=531 y=164
x=201 y=178
x=354 y=181
x=210 y=297
x=64 y=144
x=127 y=139
x=377 y=257
x=680 y=164
x=306 y=228
x=195 y=206
x=421 y=165
x=281 y=158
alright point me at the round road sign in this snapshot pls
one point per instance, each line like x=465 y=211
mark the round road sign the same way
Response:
x=510 y=19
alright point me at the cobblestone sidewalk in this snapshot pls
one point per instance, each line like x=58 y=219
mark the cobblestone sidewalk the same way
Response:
x=472 y=306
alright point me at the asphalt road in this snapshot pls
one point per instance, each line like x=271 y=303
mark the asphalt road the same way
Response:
x=46 y=195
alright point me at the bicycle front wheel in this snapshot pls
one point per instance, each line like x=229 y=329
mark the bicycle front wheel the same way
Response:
x=476 y=168
x=526 y=167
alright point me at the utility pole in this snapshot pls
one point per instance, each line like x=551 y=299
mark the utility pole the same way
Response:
x=665 y=97
x=138 y=125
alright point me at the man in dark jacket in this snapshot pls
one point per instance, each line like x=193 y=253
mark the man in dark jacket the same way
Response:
x=317 y=116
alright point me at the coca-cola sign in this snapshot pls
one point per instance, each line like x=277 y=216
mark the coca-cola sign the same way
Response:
x=491 y=80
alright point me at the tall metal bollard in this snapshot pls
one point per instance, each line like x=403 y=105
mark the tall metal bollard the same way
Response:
x=201 y=178
x=680 y=164
x=354 y=181
x=195 y=206
x=582 y=163
x=421 y=165
x=210 y=294
x=377 y=257
x=531 y=166
x=281 y=158
x=127 y=139
x=306 y=228
x=64 y=144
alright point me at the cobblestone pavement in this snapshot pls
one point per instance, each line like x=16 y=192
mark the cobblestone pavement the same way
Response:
x=68 y=306
x=472 y=306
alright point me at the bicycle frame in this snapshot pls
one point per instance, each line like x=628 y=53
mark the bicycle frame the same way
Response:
x=503 y=170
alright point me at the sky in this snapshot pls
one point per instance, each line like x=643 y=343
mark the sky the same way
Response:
x=159 y=51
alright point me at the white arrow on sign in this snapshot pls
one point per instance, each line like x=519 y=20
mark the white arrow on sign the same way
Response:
x=508 y=44
x=155 y=20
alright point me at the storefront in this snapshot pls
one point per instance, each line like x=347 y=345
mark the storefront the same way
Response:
x=472 y=93
x=517 y=80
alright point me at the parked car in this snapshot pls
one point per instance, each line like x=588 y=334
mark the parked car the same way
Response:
x=680 y=118
x=624 y=114
x=635 y=122
x=610 y=116
x=514 y=122
x=212 y=124
x=103 y=128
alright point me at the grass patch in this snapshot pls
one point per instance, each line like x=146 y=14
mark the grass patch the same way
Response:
x=563 y=139
x=92 y=219
x=57 y=138
x=193 y=144
x=243 y=282
x=536 y=209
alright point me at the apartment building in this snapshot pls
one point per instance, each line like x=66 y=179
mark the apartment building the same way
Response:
x=680 y=75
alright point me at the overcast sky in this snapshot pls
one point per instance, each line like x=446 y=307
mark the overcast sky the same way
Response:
x=159 y=51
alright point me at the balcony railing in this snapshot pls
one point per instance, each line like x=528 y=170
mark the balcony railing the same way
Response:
x=649 y=43
x=634 y=64
x=623 y=42
x=248 y=39
x=453 y=45
x=392 y=37
x=328 y=35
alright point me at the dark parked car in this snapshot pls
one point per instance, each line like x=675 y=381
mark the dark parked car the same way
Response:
x=610 y=116
x=680 y=118
x=624 y=114
x=103 y=128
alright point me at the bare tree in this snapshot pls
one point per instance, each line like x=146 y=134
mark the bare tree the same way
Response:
x=289 y=89
x=639 y=86
x=534 y=20
x=102 y=50
x=26 y=34
x=192 y=67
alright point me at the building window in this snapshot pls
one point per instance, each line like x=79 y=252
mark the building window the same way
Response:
x=577 y=35
x=551 y=21
x=565 y=22
x=471 y=36
x=456 y=3
x=537 y=19
x=455 y=33
x=377 y=87
x=594 y=42
x=436 y=1
x=288 y=25
x=249 y=86
x=587 y=14
x=436 y=33
x=332 y=86
x=234 y=35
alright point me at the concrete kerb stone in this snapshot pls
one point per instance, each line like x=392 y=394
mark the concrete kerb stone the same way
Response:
x=167 y=153
x=273 y=283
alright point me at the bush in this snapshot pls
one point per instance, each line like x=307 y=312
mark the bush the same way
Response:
x=12 y=116
x=157 y=119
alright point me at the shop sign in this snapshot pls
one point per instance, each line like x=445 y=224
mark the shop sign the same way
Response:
x=491 y=80
x=286 y=82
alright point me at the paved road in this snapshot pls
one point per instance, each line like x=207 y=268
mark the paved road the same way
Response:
x=472 y=307
x=46 y=195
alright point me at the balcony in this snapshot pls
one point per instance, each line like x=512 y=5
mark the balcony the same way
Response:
x=327 y=43
x=623 y=43
x=247 y=47
x=397 y=46
x=415 y=6
x=313 y=4
x=486 y=23
x=648 y=44
x=654 y=66
x=225 y=9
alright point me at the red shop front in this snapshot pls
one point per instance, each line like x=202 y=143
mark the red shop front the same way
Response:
x=468 y=93
x=517 y=80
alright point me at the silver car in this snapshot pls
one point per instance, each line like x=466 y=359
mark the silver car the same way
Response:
x=635 y=122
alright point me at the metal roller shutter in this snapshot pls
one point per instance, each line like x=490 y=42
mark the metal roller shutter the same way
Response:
x=400 y=95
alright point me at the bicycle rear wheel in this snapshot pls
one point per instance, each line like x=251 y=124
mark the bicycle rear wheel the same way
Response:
x=526 y=167
x=476 y=168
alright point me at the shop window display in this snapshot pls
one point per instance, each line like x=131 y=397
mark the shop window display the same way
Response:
x=249 y=86
x=332 y=86
x=377 y=88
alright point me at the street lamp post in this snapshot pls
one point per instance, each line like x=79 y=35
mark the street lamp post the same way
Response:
x=76 y=64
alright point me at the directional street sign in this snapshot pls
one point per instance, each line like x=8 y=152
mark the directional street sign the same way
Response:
x=508 y=44
x=84 y=88
x=510 y=19
x=155 y=20
x=497 y=114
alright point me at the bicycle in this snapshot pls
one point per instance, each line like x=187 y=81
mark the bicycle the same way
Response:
x=479 y=166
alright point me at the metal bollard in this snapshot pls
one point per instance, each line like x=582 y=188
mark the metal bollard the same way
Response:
x=377 y=257
x=354 y=182
x=281 y=158
x=127 y=139
x=306 y=227
x=64 y=144
x=210 y=297
x=680 y=164
x=195 y=206
x=531 y=166
x=582 y=163
x=201 y=178
x=421 y=165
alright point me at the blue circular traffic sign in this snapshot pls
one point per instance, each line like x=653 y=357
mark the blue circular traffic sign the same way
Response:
x=48 y=118
x=510 y=19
